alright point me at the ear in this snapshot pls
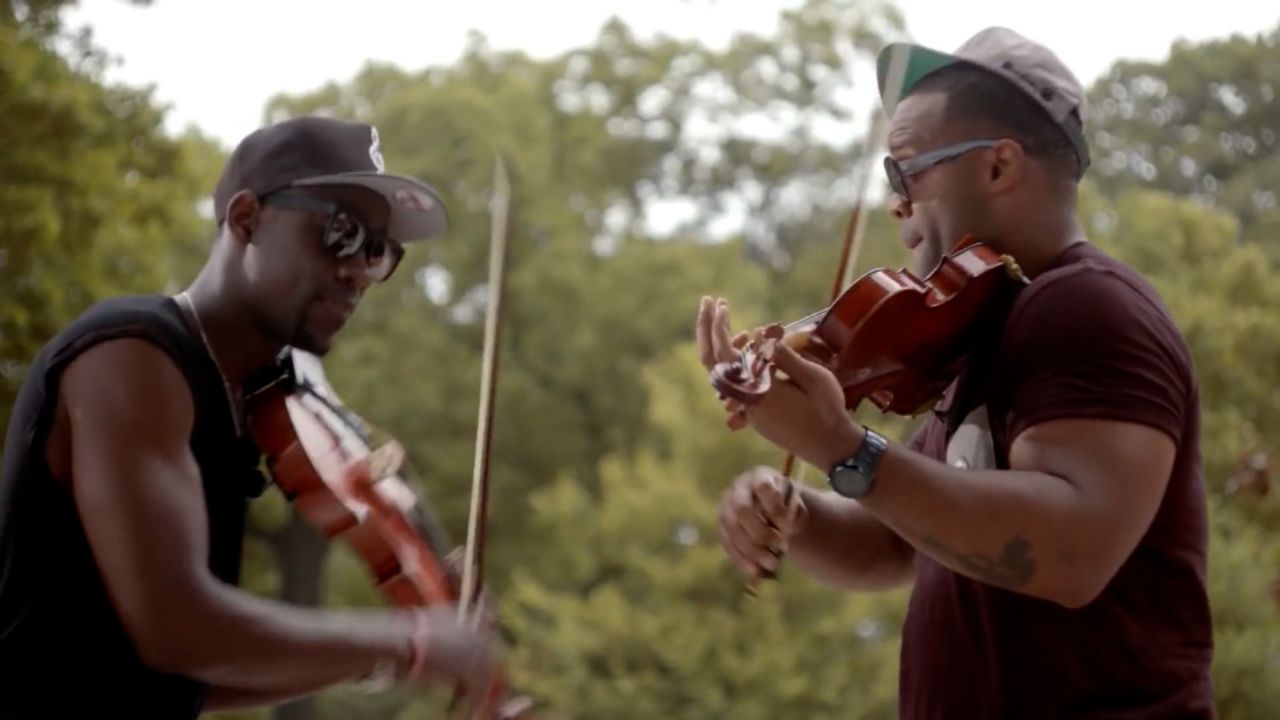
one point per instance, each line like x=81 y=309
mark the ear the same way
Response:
x=244 y=212
x=1008 y=165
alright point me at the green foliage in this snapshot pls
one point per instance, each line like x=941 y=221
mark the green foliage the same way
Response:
x=590 y=297
x=1244 y=583
x=609 y=451
x=638 y=615
x=1202 y=122
x=93 y=200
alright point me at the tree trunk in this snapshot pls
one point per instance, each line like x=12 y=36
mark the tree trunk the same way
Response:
x=300 y=554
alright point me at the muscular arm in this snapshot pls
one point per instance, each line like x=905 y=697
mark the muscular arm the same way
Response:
x=139 y=493
x=1077 y=498
x=844 y=546
x=1100 y=388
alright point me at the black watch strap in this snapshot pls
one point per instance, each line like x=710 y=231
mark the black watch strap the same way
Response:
x=853 y=476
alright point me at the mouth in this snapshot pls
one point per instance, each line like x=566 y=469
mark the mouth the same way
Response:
x=911 y=241
x=340 y=306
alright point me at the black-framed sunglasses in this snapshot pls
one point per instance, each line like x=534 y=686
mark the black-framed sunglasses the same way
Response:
x=345 y=235
x=899 y=170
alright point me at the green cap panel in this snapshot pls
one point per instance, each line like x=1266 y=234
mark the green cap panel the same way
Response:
x=920 y=61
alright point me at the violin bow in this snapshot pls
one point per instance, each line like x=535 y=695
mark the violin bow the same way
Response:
x=850 y=249
x=473 y=559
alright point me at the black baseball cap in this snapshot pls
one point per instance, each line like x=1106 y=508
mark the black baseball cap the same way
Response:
x=311 y=151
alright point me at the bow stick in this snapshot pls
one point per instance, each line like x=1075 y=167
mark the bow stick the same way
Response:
x=850 y=249
x=473 y=559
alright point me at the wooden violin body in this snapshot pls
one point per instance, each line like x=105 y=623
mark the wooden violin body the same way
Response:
x=320 y=457
x=313 y=445
x=891 y=337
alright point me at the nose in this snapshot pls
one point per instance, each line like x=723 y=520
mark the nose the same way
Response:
x=899 y=207
x=354 y=272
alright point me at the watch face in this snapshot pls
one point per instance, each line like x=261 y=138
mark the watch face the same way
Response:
x=849 y=482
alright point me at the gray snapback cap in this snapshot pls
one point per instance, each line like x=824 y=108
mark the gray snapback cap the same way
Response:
x=1028 y=65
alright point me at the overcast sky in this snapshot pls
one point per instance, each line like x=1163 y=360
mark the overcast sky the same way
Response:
x=214 y=62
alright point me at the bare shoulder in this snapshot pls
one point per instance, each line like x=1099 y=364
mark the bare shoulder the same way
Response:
x=136 y=485
x=110 y=390
x=130 y=378
x=125 y=396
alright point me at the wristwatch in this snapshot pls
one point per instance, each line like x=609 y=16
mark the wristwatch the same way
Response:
x=852 y=477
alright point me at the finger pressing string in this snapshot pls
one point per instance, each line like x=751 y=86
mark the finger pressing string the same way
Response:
x=798 y=369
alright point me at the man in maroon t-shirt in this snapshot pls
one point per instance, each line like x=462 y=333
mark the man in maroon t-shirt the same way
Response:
x=1051 y=512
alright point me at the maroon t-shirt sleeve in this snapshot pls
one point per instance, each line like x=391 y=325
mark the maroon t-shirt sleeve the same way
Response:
x=1093 y=343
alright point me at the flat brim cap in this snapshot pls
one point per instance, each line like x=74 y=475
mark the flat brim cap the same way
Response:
x=1028 y=65
x=415 y=210
x=313 y=151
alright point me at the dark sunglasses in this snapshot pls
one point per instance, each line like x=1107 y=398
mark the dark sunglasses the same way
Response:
x=899 y=170
x=344 y=235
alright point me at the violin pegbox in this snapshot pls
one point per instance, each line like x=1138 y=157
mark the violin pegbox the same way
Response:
x=748 y=378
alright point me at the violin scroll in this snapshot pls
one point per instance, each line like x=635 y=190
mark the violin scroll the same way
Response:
x=748 y=378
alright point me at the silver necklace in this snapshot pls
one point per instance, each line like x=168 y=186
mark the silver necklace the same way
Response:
x=233 y=404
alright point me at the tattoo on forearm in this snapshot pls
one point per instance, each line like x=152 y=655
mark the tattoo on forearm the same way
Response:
x=1013 y=569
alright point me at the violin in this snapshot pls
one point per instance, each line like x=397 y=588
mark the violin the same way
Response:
x=891 y=337
x=321 y=456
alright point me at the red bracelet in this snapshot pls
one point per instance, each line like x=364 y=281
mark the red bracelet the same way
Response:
x=419 y=639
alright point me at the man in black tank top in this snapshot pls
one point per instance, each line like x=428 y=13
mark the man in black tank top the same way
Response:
x=128 y=468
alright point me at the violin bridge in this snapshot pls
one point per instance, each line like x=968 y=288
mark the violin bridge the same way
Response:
x=385 y=461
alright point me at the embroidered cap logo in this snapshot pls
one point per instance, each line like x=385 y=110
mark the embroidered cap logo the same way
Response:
x=375 y=154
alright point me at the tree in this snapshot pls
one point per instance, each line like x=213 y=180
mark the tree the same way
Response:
x=40 y=19
x=1202 y=123
x=95 y=196
x=592 y=140
x=639 y=615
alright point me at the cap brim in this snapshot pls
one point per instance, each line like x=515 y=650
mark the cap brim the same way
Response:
x=900 y=66
x=416 y=211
